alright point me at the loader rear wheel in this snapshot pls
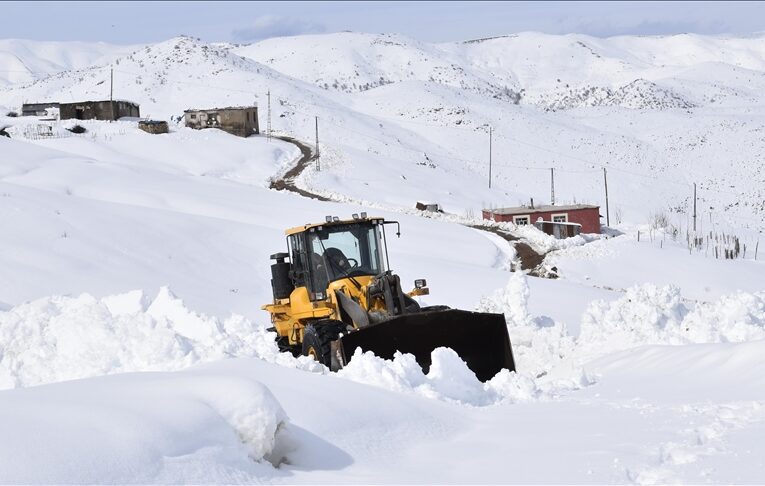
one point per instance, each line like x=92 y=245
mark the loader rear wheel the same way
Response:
x=317 y=338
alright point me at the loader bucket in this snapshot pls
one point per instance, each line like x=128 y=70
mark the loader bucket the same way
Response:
x=480 y=339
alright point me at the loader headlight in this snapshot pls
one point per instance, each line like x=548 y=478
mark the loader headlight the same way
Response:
x=420 y=283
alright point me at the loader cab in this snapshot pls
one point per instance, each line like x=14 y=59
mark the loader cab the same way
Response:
x=321 y=254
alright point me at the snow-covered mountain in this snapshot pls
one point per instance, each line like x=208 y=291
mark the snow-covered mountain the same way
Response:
x=125 y=252
x=395 y=111
x=22 y=61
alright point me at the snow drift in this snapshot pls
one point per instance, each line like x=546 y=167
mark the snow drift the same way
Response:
x=645 y=315
x=140 y=428
x=449 y=379
x=63 y=338
x=648 y=314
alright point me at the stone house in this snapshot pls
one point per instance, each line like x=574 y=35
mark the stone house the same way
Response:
x=99 y=110
x=236 y=120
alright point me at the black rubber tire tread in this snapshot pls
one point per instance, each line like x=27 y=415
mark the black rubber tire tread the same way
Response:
x=319 y=335
x=284 y=345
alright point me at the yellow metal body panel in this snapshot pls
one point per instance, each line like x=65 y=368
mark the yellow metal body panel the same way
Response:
x=419 y=292
x=291 y=315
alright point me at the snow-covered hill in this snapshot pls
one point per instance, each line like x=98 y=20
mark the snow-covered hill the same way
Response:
x=352 y=62
x=127 y=253
x=22 y=61
x=605 y=103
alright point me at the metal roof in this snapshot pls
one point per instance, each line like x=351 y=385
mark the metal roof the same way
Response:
x=98 y=101
x=306 y=227
x=255 y=105
x=540 y=209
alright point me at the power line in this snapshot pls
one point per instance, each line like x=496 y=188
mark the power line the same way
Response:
x=376 y=117
x=664 y=180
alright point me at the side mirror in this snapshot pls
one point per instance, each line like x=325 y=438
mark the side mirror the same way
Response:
x=420 y=283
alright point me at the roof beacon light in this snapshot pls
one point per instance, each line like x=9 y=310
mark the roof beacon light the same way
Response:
x=363 y=215
x=355 y=216
x=335 y=219
x=328 y=219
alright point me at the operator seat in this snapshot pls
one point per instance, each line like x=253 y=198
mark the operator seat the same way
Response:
x=337 y=262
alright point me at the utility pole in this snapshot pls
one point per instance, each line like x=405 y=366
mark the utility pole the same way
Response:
x=268 y=125
x=552 y=186
x=489 y=157
x=111 y=92
x=605 y=183
x=694 y=207
x=318 y=154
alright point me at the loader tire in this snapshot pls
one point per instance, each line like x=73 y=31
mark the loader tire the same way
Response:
x=317 y=338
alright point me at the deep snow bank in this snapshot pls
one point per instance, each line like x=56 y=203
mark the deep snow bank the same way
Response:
x=191 y=426
x=550 y=360
x=539 y=343
x=449 y=379
x=728 y=372
x=648 y=314
x=645 y=314
x=60 y=338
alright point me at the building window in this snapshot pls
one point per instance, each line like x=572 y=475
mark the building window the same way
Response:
x=193 y=117
x=521 y=220
x=248 y=117
x=560 y=218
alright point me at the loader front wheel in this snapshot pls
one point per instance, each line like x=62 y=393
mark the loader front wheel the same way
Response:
x=317 y=338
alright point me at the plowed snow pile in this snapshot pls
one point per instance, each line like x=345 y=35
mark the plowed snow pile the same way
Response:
x=62 y=338
x=645 y=315
x=648 y=314
x=449 y=379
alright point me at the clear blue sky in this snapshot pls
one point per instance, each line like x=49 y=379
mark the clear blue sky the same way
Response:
x=137 y=22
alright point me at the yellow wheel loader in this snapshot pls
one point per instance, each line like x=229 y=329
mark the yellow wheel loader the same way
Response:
x=334 y=292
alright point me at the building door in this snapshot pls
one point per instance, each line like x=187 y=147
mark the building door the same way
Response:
x=78 y=113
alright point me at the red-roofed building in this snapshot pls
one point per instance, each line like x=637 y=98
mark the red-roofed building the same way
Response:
x=585 y=215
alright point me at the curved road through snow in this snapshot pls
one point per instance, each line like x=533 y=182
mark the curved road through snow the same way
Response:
x=530 y=259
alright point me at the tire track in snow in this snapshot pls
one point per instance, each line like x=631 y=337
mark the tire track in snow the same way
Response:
x=681 y=460
x=287 y=181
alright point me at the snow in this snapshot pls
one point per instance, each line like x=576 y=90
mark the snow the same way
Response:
x=63 y=338
x=422 y=132
x=132 y=344
x=140 y=428
x=449 y=379
x=26 y=60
